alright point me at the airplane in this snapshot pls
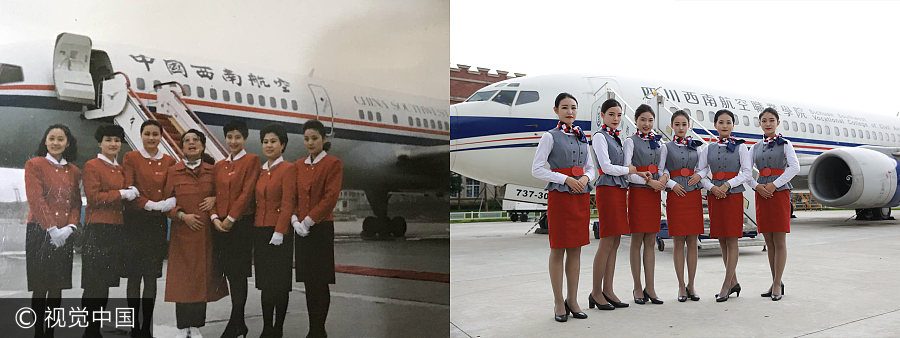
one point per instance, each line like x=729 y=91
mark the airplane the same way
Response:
x=388 y=141
x=848 y=159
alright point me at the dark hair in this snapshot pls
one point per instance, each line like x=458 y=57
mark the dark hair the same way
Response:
x=276 y=129
x=319 y=127
x=562 y=96
x=151 y=123
x=71 y=152
x=109 y=130
x=680 y=113
x=772 y=111
x=643 y=109
x=609 y=104
x=238 y=125
x=203 y=155
x=723 y=111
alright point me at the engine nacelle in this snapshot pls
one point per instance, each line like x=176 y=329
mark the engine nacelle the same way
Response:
x=855 y=178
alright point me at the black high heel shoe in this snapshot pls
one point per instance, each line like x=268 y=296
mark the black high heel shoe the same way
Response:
x=682 y=299
x=735 y=288
x=652 y=300
x=592 y=303
x=234 y=329
x=559 y=318
x=639 y=300
x=577 y=315
x=614 y=303
x=769 y=294
x=722 y=299
x=693 y=297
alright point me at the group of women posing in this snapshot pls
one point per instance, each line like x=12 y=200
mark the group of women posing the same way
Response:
x=629 y=174
x=226 y=216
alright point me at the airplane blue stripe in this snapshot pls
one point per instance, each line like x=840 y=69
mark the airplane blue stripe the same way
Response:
x=462 y=127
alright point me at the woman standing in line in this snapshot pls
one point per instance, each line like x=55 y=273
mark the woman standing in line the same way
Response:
x=777 y=163
x=192 y=279
x=102 y=255
x=235 y=178
x=566 y=150
x=644 y=151
x=684 y=205
x=612 y=187
x=145 y=224
x=729 y=162
x=318 y=187
x=54 y=208
x=276 y=200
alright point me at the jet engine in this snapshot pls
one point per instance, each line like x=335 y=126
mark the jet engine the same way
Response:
x=856 y=178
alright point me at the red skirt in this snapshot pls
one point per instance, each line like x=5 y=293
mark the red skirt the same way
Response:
x=568 y=217
x=684 y=215
x=774 y=214
x=726 y=216
x=644 y=210
x=611 y=208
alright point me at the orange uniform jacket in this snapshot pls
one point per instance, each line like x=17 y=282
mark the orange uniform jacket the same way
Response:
x=318 y=188
x=276 y=197
x=235 y=186
x=54 y=197
x=148 y=175
x=102 y=182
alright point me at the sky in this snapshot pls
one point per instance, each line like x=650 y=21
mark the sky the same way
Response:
x=840 y=54
x=397 y=45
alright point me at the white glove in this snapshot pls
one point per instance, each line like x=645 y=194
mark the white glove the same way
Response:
x=127 y=194
x=294 y=219
x=58 y=236
x=302 y=228
x=135 y=189
x=277 y=238
x=167 y=204
x=152 y=206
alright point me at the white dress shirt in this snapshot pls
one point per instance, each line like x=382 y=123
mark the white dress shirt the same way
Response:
x=539 y=165
x=628 y=148
x=601 y=151
x=792 y=169
x=745 y=175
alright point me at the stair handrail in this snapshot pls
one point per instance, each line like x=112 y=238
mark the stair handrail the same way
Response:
x=170 y=141
x=194 y=116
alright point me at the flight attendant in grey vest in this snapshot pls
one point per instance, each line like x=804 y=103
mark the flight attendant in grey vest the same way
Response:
x=566 y=150
x=644 y=151
x=728 y=160
x=777 y=163
x=684 y=205
x=612 y=187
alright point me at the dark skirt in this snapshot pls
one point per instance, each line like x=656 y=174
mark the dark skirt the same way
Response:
x=315 y=254
x=145 y=235
x=46 y=267
x=273 y=262
x=234 y=249
x=102 y=262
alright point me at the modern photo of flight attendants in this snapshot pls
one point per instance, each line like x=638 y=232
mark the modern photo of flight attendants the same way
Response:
x=684 y=205
x=53 y=188
x=777 y=163
x=146 y=226
x=103 y=252
x=729 y=163
x=192 y=280
x=566 y=151
x=644 y=151
x=319 y=177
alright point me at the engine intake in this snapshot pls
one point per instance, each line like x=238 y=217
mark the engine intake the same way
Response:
x=855 y=178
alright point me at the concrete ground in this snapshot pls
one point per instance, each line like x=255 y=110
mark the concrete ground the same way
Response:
x=362 y=304
x=841 y=280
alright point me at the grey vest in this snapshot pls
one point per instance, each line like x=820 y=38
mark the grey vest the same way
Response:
x=616 y=156
x=678 y=157
x=720 y=159
x=772 y=158
x=644 y=156
x=567 y=152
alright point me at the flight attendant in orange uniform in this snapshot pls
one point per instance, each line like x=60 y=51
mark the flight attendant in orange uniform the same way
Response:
x=566 y=151
x=777 y=163
x=102 y=255
x=273 y=252
x=146 y=224
x=192 y=279
x=236 y=178
x=318 y=187
x=54 y=208
x=684 y=205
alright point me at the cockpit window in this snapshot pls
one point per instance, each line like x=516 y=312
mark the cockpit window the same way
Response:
x=505 y=97
x=500 y=85
x=514 y=84
x=481 y=96
x=527 y=96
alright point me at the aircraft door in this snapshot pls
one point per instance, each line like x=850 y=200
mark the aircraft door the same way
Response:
x=71 y=68
x=323 y=107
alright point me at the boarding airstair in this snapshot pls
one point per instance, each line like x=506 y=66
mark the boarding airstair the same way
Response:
x=664 y=109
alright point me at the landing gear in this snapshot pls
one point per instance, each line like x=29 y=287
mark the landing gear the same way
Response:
x=873 y=214
x=381 y=226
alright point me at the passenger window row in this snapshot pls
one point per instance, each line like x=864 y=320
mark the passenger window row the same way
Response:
x=365 y=115
x=227 y=96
